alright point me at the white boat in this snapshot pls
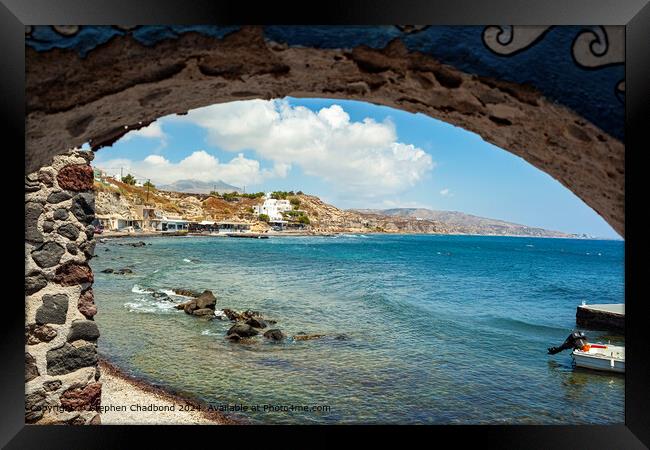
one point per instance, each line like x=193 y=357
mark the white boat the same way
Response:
x=605 y=357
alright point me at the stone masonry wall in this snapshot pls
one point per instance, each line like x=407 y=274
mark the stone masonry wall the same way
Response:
x=61 y=372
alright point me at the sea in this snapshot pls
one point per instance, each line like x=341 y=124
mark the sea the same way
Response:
x=418 y=329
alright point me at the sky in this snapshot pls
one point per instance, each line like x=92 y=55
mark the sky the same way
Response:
x=353 y=155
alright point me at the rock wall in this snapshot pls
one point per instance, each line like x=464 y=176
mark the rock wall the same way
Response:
x=61 y=372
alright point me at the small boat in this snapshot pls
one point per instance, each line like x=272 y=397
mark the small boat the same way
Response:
x=247 y=235
x=607 y=357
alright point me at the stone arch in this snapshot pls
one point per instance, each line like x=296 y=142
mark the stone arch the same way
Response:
x=122 y=84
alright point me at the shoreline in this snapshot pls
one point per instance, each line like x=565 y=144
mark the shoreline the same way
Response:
x=122 y=390
x=117 y=234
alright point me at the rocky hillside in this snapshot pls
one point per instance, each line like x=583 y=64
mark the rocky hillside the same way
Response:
x=114 y=197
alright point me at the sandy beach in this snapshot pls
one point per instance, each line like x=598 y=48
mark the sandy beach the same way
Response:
x=128 y=401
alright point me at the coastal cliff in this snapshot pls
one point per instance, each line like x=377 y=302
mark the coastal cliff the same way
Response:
x=117 y=198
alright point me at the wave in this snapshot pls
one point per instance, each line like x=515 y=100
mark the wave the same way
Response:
x=136 y=289
x=187 y=260
x=150 y=306
x=520 y=325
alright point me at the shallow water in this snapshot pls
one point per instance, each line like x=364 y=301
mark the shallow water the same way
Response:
x=442 y=329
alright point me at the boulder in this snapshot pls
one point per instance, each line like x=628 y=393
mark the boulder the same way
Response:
x=34 y=406
x=71 y=274
x=274 y=335
x=307 y=337
x=31 y=371
x=137 y=244
x=242 y=330
x=203 y=312
x=108 y=270
x=186 y=292
x=160 y=295
x=60 y=214
x=39 y=333
x=69 y=358
x=34 y=282
x=76 y=177
x=68 y=231
x=58 y=197
x=48 y=254
x=48 y=226
x=32 y=213
x=53 y=309
x=83 y=207
x=86 y=304
x=256 y=322
x=206 y=300
x=83 y=329
x=82 y=399
x=232 y=315
x=123 y=271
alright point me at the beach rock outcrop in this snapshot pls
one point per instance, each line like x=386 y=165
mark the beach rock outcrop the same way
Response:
x=256 y=322
x=274 y=335
x=242 y=330
x=48 y=254
x=53 y=309
x=307 y=337
x=203 y=312
x=69 y=358
x=206 y=300
x=186 y=292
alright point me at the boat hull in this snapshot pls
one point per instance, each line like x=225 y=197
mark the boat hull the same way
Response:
x=599 y=362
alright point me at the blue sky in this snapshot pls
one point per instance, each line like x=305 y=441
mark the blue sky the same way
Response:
x=353 y=155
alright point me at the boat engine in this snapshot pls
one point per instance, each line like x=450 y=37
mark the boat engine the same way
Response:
x=576 y=340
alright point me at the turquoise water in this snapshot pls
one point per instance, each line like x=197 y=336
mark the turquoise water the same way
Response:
x=442 y=329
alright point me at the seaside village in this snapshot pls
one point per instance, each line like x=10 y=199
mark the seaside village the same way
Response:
x=126 y=205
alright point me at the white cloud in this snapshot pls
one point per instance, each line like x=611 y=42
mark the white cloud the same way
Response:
x=152 y=131
x=360 y=158
x=445 y=192
x=200 y=166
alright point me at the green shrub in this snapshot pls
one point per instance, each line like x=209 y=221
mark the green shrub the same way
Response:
x=129 y=179
x=264 y=218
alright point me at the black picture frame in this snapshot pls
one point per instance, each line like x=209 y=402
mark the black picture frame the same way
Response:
x=633 y=14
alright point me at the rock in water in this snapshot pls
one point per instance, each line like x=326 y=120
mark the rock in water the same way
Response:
x=242 y=330
x=232 y=315
x=206 y=300
x=256 y=322
x=274 y=335
x=203 y=312
x=307 y=337
x=186 y=292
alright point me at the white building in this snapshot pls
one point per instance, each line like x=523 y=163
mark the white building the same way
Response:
x=272 y=208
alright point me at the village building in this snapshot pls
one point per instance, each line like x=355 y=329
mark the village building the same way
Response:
x=273 y=208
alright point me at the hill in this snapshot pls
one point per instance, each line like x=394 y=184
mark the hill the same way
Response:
x=115 y=197
x=199 y=187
